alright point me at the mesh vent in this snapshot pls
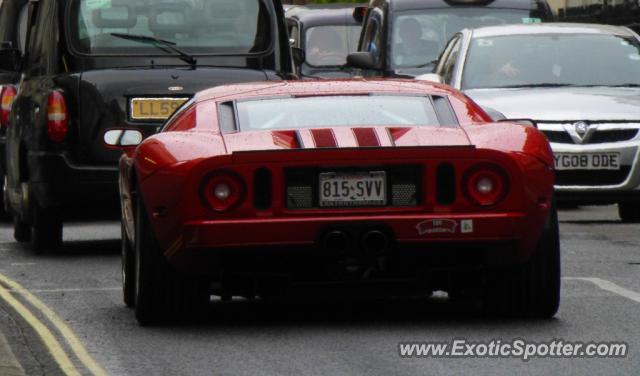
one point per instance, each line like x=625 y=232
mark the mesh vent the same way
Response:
x=299 y=197
x=403 y=195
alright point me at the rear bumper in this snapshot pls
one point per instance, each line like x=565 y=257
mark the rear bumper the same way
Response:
x=416 y=243
x=57 y=181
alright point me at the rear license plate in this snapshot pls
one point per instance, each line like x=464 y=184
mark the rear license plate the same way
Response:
x=154 y=108
x=353 y=189
x=587 y=161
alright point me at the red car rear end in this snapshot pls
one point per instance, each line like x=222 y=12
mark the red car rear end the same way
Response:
x=409 y=206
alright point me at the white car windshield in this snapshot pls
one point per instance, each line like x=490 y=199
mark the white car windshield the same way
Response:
x=552 y=60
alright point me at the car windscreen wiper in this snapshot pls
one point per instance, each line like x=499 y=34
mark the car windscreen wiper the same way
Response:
x=161 y=44
x=432 y=62
x=534 y=85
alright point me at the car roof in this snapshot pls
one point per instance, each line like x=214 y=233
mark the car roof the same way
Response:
x=323 y=88
x=426 y=4
x=323 y=14
x=550 y=28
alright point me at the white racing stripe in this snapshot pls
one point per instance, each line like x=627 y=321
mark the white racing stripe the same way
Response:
x=608 y=286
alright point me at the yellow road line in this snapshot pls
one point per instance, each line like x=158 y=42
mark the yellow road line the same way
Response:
x=74 y=343
x=45 y=334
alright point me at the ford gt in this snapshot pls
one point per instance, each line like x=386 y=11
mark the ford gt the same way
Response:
x=394 y=187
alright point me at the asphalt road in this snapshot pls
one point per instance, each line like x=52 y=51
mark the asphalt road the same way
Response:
x=81 y=287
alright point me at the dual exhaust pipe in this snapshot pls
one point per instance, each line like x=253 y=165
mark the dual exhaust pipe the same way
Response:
x=373 y=242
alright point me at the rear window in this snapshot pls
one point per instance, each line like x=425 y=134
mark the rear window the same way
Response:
x=336 y=111
x=330 y=45
x=194 y=26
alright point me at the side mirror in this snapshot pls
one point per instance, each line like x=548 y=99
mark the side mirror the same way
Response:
x=10 y=59
x=299 y=56
x=359 y=13
x=495 y=114
x=431 y=77
x=122 y=137
x=362 y=60
x=525 y=122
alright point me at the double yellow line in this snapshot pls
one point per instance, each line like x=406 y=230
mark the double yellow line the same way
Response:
x=7 y=287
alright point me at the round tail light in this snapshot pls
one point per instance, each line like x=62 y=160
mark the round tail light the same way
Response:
x=222 y=191
x=485 y=185
x=7 y=96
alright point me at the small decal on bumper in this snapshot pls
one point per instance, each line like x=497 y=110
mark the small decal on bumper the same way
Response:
x=466 y=226
x=437 y=226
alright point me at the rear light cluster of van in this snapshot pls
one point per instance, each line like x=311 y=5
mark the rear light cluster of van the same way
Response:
x=7 y=96
x=57 y=117
x=57 y=112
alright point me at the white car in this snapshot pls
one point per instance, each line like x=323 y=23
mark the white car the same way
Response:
x=579 y=83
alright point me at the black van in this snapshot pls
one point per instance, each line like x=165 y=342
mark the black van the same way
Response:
x=13 y=34
x=621 y=13
x=403 y=38
x=97 y=68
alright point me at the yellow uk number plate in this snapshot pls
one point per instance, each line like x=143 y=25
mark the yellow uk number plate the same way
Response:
x=154 y=108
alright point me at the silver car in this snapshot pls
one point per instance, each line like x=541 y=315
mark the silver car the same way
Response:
x=579 y=83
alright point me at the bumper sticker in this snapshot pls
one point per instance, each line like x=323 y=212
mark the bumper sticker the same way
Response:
x=437 y=226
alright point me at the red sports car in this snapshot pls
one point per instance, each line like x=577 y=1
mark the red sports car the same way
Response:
x=395 y=186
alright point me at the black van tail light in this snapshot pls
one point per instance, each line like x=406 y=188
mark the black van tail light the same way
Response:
x=222 y=191
x=7 y=96
x=485 y=184
x=57 y=117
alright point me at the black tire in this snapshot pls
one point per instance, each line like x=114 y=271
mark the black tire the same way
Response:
x=629 y=212
x=21 y=231
x=160 y=291
x=128 y=270
x=46 y=229
x=532 y=289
